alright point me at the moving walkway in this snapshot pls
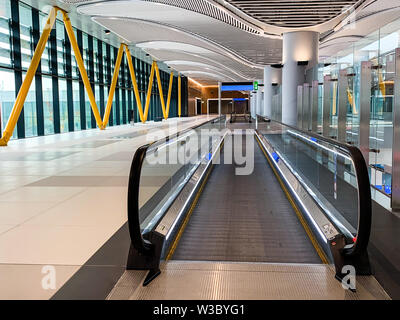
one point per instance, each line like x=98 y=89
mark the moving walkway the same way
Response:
x=306 y=199
x=240 y=111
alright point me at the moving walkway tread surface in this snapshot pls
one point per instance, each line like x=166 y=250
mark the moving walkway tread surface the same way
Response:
x=245 y=218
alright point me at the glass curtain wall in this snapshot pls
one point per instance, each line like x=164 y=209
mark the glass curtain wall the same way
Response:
x=379 y=49
x=57 y=102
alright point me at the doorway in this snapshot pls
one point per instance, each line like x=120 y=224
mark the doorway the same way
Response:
x=198 y=106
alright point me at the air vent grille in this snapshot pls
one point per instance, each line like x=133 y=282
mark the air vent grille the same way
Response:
x=211 y=10
x=294 y=13
x=200 y=6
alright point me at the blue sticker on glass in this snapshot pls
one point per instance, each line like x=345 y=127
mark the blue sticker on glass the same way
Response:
x=313 y=139
x=388 y=189
x=275 y=156
x=209 y=156
x=379 y=187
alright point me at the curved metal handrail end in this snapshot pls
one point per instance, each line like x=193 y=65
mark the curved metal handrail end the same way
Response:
x=364 y=204
x=144 y=246
x=141 y=245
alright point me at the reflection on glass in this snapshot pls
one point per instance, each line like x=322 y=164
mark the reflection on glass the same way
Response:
x=121 y=107
x=169 y=165
x=378 y=48
x=77 y=106
x=276 y=109
x=60 y=47
x=45 y=61
x=30 y=115
x=114 y=109
x=25 y=16
x=5 y=35
x=97 y=95
x=63 y=96
x=7 y=97
x=48 y=105
x=88 y=111
x=326 y=172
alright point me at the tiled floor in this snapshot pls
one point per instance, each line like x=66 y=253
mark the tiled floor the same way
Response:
x=61 y=198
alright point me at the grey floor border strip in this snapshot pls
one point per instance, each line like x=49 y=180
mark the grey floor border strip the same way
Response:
x=98 y=276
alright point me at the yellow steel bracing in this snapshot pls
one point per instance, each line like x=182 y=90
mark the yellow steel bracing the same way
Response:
x=179 y=97
x=134 y=82
x=160 y=91
x=82 y=70
x=165 y=109
x=37 y=55
x=23 y=91
x=146 y=108
x=171 y=80
x=154 y=68
x=113 y=85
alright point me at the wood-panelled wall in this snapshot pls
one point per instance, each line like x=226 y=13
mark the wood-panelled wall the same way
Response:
x=205 y=93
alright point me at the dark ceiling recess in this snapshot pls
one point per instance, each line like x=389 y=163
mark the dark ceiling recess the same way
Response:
x=302 y=63
x=294 y=13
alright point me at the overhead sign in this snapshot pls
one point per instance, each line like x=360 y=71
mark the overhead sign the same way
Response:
x=236 y=86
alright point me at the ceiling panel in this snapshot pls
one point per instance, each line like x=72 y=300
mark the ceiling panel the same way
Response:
x=294 y=13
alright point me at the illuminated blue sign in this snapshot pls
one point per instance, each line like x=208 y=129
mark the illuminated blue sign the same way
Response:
x=275 y=156
x=238 y=87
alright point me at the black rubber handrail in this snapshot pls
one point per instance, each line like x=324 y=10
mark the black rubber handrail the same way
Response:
x=364 y=190
x=142 y=245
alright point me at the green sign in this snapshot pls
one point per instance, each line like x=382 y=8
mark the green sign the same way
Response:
x=255 y=85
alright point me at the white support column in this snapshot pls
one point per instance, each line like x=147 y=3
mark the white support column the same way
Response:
x=252 y=104
x=298 y=46
x=271 y=75
x=219 y=98
x=259 y=98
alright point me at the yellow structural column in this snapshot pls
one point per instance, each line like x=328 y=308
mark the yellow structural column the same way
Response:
x=113 y=85
x=146 y=109
x=23 y=91
x=179 y=96
x=160 y=90
x=134 y=82
x=171 y=79
x=82 y=70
